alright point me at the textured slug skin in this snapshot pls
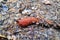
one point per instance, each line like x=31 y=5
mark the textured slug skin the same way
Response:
x=27 y=21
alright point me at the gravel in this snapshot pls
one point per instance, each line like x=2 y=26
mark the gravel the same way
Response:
x=15 y=9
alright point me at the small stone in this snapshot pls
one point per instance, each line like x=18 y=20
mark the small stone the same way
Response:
x=12 y=10
x=26 y=12
x=45 y=35
x=3 y=13
x=12 y=1
x=42 y=13
x=34 y=8
x=47 y=2
x=9 y=37
x=4 y=0
x=0 y=16
x=1 y=22
x=1 y=5
x=13 y=37
x=37 y=23
x=54 y=18
x=5 y=8
x=1 y=0
x=10 y=21
x=5 y=22
x=18 y=4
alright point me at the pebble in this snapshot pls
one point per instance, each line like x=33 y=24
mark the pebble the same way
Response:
x=47 y=2
x=3 y=13
x=13 y=37
x=0 y=16
x=12 y=10
x=4 y=7
x=27 y=12
x=12 y=1
x=1 y=0
x=34 y=8
x=18 y=4
x=1 y=22
x=9 y=37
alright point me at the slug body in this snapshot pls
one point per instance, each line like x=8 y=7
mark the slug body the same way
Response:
x=27 y=21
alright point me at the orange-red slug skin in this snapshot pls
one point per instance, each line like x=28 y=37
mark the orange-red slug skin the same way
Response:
x=27 y=21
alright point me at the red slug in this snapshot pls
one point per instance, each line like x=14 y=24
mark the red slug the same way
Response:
x=27 y=21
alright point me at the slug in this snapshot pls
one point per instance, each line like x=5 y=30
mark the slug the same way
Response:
x=27 y=21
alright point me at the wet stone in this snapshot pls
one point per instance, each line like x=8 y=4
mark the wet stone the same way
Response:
x=1 y=22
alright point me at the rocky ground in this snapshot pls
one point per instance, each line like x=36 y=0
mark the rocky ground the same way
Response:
x=11 y=10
